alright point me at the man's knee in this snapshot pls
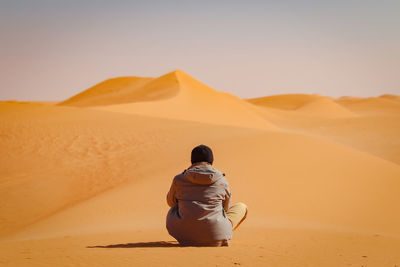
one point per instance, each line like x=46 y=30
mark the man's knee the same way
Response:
x=242 y=205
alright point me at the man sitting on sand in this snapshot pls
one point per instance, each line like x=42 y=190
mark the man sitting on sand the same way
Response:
x=201 y=213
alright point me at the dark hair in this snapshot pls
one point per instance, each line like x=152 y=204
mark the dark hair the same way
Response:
x=202 y=153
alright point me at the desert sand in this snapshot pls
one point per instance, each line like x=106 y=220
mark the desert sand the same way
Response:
x=83 y=181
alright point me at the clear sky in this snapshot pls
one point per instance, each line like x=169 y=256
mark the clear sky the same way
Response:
x=51 y=50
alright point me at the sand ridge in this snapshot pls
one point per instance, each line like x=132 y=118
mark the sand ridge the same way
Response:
x=195 y=101
x=383 y=105
x=112 y=91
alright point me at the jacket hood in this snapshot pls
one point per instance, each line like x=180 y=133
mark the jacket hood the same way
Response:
x=203 y=174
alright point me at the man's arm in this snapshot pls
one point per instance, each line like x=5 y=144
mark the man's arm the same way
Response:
x=171 y=200
x=227 y=201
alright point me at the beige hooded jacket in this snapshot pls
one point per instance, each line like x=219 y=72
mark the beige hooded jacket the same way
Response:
x=198 y=198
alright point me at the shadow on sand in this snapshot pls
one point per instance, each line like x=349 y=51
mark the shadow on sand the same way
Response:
x=157 y=244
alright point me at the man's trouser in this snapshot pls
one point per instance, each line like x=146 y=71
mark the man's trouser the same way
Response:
x=236 y=214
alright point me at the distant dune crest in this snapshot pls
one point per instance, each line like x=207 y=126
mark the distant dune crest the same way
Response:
x=310 y=104
x=123 y=90
x=286 y=101
x=177 y=95
x=137 y=89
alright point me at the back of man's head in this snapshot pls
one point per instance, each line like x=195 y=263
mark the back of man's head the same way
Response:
x=202 y=153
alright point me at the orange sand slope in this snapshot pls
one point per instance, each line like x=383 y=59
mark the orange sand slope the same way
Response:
x=177 y=95
x=373 y=130
x=115 y=91
x=320 y=175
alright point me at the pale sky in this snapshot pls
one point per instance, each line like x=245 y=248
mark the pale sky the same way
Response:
x=51 y=50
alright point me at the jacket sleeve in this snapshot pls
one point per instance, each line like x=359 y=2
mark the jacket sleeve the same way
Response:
x=227 y=201
x=171 y=199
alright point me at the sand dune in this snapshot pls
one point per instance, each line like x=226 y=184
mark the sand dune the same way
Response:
x=320 y=176
x=391 y=97
x=326 y=108
x=374 y=132
x=289 y=102
x=308 y=104
x=195 y=101
x=372 y=105
x=117 y=90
